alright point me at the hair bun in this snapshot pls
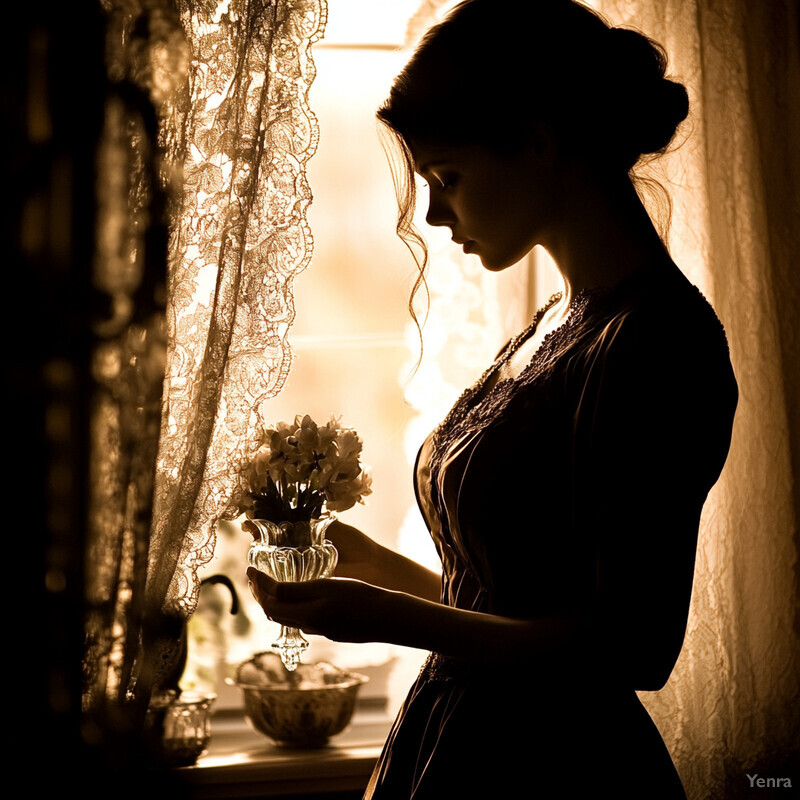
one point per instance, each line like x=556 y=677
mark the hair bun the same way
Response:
x=651 y=105
x=673 y=107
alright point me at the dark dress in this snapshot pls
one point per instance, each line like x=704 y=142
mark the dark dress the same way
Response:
x=558 y=492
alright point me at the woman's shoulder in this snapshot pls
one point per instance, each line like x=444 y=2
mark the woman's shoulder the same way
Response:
x=662 y=312
x=654 y=337
x=662 y=375
x=660 y=340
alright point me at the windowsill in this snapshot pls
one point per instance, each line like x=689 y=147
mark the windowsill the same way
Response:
x=242 y=763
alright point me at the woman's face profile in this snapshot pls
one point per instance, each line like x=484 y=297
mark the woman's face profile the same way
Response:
x=497 y=206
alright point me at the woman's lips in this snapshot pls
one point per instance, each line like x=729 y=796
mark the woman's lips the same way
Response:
x=467 y=245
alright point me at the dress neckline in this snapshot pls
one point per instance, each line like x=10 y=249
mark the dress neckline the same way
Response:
x=486 y=397
x=575 y=312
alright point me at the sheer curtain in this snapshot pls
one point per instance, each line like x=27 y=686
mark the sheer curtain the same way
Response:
x=242 y=131
x=732 y=705
x=140 y=55
x=201 y=164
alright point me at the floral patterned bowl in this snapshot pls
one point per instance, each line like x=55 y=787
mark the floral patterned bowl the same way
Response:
x=302 y=708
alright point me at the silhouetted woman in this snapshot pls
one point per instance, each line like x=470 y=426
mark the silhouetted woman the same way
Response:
x=564 y=489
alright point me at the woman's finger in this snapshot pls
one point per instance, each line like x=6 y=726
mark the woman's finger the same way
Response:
x=261 y=578
x=265 y=591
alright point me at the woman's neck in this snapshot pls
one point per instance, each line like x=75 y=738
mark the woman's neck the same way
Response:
x=602 y=235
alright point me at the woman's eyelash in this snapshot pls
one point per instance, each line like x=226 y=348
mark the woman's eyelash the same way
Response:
x=440 y=183
x=446 y=183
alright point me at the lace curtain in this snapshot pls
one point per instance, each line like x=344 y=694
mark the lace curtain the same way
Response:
x=243 y=132
x=202 y=157
x=732 y=705
x=144 y=54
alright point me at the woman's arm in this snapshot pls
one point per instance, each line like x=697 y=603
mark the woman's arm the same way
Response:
x=382 y=596
x=364 y=559
x=353 y=611
x=653 y=440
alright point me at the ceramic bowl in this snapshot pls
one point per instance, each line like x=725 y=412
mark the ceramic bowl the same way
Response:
x=303 y=708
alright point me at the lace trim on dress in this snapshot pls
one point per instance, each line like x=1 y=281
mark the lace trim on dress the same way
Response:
x=444 y=669
x=484 y=403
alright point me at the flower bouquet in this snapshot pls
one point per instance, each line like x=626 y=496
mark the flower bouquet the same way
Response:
x=301 y=475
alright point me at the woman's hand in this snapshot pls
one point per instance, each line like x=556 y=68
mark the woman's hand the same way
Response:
x=365 y=560
x=356 y=550
x=341 y=609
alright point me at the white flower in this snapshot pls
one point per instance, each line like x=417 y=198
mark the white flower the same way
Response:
x=302 y=466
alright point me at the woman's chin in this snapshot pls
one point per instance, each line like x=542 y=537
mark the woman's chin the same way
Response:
x=495 y=264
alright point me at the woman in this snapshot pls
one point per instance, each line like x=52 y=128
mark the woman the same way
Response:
x=564 y=489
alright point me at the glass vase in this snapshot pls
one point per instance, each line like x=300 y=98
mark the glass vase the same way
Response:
x=291 y=551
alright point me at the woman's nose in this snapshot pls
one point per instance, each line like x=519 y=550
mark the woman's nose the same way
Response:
x=439 y=211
